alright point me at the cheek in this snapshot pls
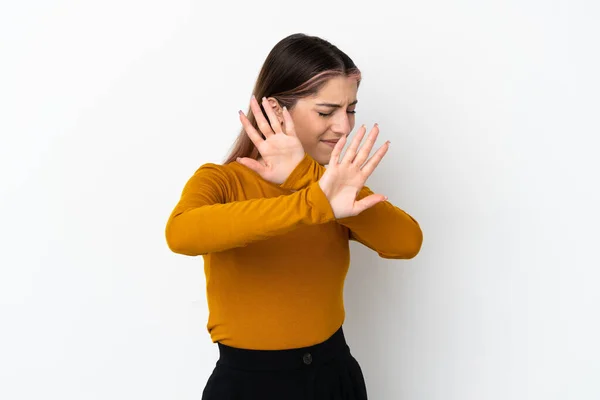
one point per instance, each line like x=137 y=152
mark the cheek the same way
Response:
x=311 y=130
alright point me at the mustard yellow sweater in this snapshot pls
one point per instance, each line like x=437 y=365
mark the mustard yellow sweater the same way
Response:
x=275 y=257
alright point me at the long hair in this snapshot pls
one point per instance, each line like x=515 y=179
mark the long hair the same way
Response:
x=298 y=66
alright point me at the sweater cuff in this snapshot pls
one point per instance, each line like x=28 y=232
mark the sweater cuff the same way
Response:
x=321 y=208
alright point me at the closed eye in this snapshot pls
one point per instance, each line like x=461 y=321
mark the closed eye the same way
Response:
x=327 y=115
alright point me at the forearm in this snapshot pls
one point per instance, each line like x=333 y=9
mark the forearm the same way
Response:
x=217 y=227
x=386 y=229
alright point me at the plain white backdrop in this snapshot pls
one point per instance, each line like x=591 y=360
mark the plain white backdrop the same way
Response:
x=107 y=108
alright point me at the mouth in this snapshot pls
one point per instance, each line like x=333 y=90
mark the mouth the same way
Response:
x=331 y=143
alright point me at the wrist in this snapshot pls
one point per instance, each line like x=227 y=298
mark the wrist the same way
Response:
x=307 y=171
x=323 y=185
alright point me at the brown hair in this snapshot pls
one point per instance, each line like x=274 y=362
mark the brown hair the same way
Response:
x=298 y=66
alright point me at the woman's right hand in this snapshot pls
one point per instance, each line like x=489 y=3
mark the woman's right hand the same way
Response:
x=281 y=150
x=343 y=179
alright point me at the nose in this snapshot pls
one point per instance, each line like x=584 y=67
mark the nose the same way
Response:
x=342 y=125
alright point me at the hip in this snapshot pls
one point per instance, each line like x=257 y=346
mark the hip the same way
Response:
x=327 y=370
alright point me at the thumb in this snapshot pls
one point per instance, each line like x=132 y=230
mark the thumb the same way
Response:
x=252 y=164
x=368 y=202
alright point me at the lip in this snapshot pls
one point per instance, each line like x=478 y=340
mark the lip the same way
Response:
x=331 y=143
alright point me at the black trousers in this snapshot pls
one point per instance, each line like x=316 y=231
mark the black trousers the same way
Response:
x=325 y=371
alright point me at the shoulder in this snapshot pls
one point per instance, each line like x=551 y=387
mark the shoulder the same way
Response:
x=225 y=176
x=210 y=174
x=213 y=169
x=209 y=179
x=230 y=172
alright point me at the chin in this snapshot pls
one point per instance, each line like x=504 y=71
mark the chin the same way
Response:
x=322 y=161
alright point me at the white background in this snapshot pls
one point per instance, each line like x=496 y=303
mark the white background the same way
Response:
x=108 y=107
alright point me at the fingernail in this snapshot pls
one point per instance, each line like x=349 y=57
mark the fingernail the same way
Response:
x=385 y=198
x=253 y=97
x=240 y=112
x=264 y=99
x=376 y=124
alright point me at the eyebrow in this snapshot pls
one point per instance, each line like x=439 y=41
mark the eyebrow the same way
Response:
x=336 y=105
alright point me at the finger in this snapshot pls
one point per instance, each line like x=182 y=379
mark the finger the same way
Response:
x=365 y=150
x=252 y=133
x=373 y=162
x=261 y=121
x=351 y=150
x=252 y=164
x=337 y=150
x=290 y=128
x=367 y=202
x=275 y=124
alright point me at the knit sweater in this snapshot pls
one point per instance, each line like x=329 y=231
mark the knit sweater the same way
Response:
x=275 y=256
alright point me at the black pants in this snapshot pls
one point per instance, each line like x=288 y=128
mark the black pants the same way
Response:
x=324 y=371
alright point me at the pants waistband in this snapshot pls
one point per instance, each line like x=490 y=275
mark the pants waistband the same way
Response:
x=268 y=360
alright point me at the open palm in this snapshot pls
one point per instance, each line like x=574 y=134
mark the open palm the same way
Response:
x=280 y=151
x=344 y=178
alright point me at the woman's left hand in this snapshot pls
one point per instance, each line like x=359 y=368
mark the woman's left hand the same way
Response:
x=281 y=152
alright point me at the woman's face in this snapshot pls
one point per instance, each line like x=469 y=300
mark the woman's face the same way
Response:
x=321 y=120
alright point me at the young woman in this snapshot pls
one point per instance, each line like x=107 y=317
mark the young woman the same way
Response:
x=273 y=225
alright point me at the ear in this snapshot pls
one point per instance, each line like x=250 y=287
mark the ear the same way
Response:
x=277 y=108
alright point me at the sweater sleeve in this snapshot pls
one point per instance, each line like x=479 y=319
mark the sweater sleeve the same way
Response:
x=385 y=228
x=205 y=220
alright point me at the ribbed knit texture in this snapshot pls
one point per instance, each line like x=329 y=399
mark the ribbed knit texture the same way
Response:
x=275 y=257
